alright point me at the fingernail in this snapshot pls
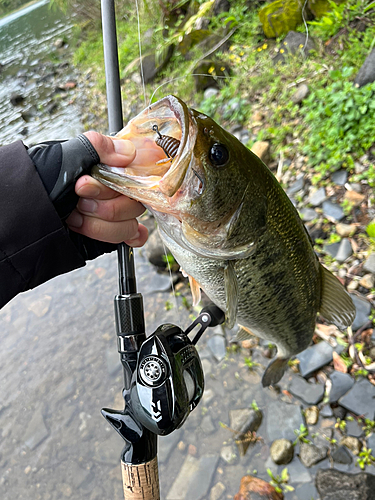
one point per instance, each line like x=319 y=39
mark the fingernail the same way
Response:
x=123 y=147
x=75 y=219
x=89 y=206
x=88 y=190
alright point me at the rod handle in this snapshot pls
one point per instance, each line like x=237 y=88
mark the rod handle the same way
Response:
x=141 y=482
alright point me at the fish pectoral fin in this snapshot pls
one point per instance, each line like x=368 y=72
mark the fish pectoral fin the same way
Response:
x=231 y=294
x=244 y=333
x=336 y=305
x=274 y=371
x=195 y=290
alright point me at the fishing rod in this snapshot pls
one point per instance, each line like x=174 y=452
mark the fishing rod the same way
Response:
x=163 y=376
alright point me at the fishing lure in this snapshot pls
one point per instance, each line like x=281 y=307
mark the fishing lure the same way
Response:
x=168 y=144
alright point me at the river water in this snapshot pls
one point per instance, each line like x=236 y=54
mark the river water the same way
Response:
x=34 y=69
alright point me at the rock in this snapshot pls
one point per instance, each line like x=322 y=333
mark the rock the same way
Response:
x=310 y=454
x=319 y=7
x=341 y=456
x=221 y=6
x=317 y=197
x=332 y=211
x=360 y=400
x=339 y=412
x=300 y=94
x=151 y=68
x=207 y=367
x=314 y=357
x=371 y=442
x=341 y=384
x=363 y=311
x=331 y=249
x=367 y=281
x=207 y=397
x=312 y=415
x=229 y=454
x=36 y=431
x=282 y=451
x=166 y=444
x=217 y=346
x=297 y=185
x=254 y=488
x=181 y=485
x=154 y=250
x=243 y=421
x=366 y=74
x=201 y=480
x=354 y=198
x=217 y=491
x=308 y=214
x=345 y=250
x=210 y=92
x=345 y=230
x=40 y=307
x=352 y=443
x=335 y=485
x=369 y=264
x=353 y=428
x=59 y=43
x=311 y=394
x=280 y=17
x=207 y=426
x=326 y=411
x=16 y=99
x=294 y=43
x=298 y=473
x=262 y=150
x=340 y=177
x=290 y=416
x=204 y=82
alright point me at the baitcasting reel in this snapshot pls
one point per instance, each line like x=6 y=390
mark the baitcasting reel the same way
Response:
x=167 y=382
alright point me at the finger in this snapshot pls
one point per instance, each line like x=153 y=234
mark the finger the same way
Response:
x=140 y=240
x=97 y=229
x=112 y=151
x=117 y=209
x=88 y=187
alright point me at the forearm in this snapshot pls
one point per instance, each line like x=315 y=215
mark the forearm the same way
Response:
x=34 y=244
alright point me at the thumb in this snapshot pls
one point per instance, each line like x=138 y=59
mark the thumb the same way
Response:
x=112 y=151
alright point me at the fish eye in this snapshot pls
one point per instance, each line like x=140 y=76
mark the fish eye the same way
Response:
x=218 y=155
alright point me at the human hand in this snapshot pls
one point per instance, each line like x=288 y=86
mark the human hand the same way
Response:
x=101 y=213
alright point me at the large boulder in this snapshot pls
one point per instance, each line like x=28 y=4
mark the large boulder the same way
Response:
x=280 y=17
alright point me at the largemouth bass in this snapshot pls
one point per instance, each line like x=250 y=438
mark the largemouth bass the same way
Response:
x=230 y=226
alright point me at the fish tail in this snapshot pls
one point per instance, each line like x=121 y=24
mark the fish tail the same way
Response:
x=274 y=371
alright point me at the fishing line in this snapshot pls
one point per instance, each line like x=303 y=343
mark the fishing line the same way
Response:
x=170 y=276
x=305 y=23
x=140 y=52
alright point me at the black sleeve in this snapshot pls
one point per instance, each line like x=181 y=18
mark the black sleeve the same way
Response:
x=34 y=244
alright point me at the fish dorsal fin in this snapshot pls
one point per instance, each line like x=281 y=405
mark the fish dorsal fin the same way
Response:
x=244 y=333
x=336 y=306
x=195 y=290
x=231 y=294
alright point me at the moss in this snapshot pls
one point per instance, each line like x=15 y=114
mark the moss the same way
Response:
x=280 y=17
x=321 y=7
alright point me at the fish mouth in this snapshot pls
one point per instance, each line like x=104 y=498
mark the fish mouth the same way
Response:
x=152 y=177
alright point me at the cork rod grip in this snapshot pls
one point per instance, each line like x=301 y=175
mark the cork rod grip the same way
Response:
x=141 y=482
